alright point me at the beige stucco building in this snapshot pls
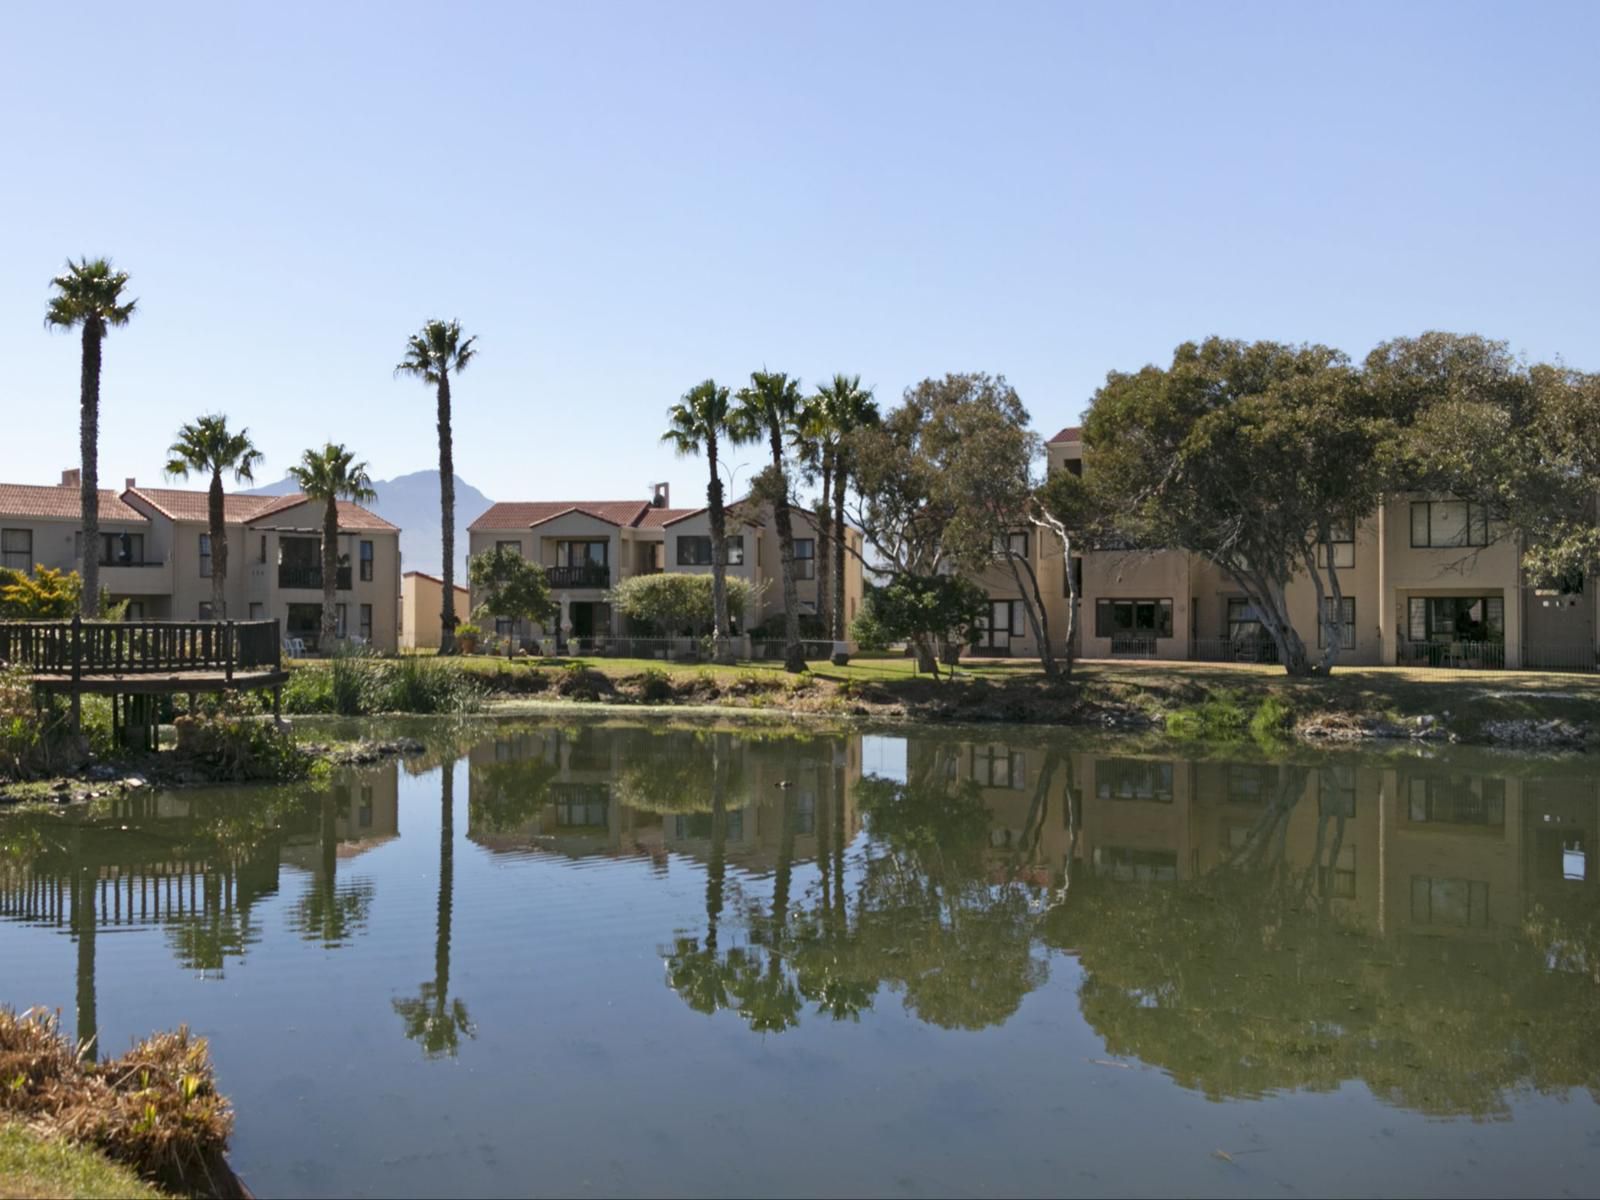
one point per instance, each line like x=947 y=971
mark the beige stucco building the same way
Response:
x=155 y=552
x=588 y=547
x=1427 y=580
x=421 y=604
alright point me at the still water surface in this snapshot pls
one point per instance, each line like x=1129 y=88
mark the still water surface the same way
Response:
x=600 y=959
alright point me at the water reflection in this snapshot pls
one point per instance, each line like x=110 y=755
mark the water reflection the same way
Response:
x=1424 y=924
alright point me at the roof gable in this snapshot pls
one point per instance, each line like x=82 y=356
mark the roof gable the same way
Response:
x=57 y=502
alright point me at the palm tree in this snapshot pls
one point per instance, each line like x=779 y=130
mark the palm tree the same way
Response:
x=771 y=407
x=330 y=475
x=816 y=447
x=850 y=407
x=208 y=447
x=700 y=420
x=432 y=354
x=89 y=294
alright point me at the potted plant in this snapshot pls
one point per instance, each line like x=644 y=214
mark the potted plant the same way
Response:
x=467 y=635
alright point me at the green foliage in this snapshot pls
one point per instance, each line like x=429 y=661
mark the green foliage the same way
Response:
x=655 y=686
x=675 y=601
x=207 y=446
x=511 y=587
x=466 y=629
x=89 y=292
x=927 y=606
x=436 y=351
x=22 y=748
x=358 y=684
x=234 y=743
x=1227 y=717
x=46 y=595
x=867 y=631
x=332 y=474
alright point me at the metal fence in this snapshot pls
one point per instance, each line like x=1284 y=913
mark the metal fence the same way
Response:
x=1241 y=649
x=1459 y=656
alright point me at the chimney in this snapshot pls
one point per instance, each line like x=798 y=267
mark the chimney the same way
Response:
x=72 y=478
x=129 y=484
x=661 y=495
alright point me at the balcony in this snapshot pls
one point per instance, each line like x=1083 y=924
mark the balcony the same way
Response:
x=136 y=578
x=589 y=575
x=310 y=578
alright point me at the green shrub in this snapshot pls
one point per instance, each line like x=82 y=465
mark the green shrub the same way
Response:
x=426 y=686
x=868 y=633
x=234 y=743
x=1272 y=719
x=309 y=690
x=655 y=686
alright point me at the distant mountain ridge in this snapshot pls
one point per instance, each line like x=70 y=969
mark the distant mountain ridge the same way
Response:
x=412 y=502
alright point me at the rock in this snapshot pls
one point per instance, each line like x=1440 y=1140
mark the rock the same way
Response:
x=1553 y=733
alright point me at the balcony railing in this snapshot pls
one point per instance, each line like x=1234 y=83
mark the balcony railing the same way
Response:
x=589 y=575
x=310 y=578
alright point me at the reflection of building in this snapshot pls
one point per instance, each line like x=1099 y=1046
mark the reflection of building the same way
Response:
x=1421 y=847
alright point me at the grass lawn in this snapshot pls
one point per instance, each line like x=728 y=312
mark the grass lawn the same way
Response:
x=36 y=1168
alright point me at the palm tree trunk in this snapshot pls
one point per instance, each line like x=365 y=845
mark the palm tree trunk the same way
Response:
x=720 y=627
x=447 y=518
x=89 y=474
x=824 y=550
x=840 y=478
x=447 y=858
x=330 y=574
x=219 y=549
x=794 y=654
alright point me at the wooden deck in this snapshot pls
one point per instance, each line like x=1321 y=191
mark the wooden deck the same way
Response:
x=175 y=682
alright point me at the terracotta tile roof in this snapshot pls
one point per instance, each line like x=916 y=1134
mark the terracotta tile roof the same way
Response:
x=1072 y=433
x=657 y=518
x=521 y=514
x=433 y=579
x=238 y=509
x=54 y=500
x=351 y=516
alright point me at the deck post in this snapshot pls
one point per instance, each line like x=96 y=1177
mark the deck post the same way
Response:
x=77 y=674
x=227 y=653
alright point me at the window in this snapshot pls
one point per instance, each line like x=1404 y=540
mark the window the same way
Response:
x=694 y=552
x=1456 y=800
x=733 y=549
x=1133 y=779
x=994 y=767
x=340 y=621
x=805 y=558
x=503 y=547
x=364 y=811
x=805 y=814
x=205 y=610
x=366 y=562
x=658 y=556
x=1014 y=544
x=205 y=556
x=1001 y=623
x=1152 y=618
x=1461 y=902
x=366 y=622
x=1342 y=540
x=1076 y=581
x=116 y=549
x=1441 y=523
x=1339 y=880
x=1348 y=635
x=135 y=610
x=1128 y=865
x=1336 y=793
x=262 y=554
x=16 y=549
x=698 y=825
x=583 y=554
x=258 y=611
x=1456 y=618
x=504 y=626
x=1249 y=783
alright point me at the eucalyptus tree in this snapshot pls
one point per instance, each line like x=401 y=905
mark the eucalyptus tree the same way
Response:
x=698 y=423
x=770 y=408
x=208 y=447
x=1250 y=455
x=433 y=354
x=88 y=296
x=328 y=476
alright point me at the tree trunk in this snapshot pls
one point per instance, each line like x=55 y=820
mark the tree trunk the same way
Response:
x=89 y=472
x=330 y=574
x=840 y=478
x=447 y=518
x=447 y=856
x=720 y=625
x=1268 y=598
x=217 y=520
x=824 y=552
x=1072 y=605
x=926 y=654
x=1038 y=618
x=1330 y=608
x=794 y=654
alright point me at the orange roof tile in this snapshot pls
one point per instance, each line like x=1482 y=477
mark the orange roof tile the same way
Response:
x=522 y=514
x=1072 y=433
x=656 y=518
x=351 y=516
x=61 y=502
x=239 y=509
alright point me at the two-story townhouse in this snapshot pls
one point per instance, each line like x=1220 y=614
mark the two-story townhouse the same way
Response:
x=587 y=547
x=275 y=562
x=1426 y=579
x=42 y=526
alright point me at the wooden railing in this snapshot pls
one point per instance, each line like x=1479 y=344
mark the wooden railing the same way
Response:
x=82 y=648
x=310 y=578
x=587 y=575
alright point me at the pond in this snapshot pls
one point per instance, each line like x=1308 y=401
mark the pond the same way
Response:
x=567 y=958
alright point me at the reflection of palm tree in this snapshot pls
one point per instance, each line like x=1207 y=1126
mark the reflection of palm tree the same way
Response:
x=695 y=970
x=83 y=914
x=328 y=913
x=433 y=1018
x=769 y=1001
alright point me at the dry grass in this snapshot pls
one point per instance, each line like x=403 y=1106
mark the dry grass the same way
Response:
x=155 y=1109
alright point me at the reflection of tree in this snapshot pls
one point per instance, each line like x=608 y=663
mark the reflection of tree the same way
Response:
x=329 y=913
x=1246 y=981
x=433 y=1019
x=507 y=795
x=696 y=969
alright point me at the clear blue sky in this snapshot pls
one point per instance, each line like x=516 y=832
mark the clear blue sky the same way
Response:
x=623 y=199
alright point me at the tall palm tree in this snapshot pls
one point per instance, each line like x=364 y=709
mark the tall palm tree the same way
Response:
x=816 y=447
x=89 y=296
x=208 y=447
x=330 y=475
x=850 y=407
x=700 y=421
x=433 y=354
x=770 y=408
